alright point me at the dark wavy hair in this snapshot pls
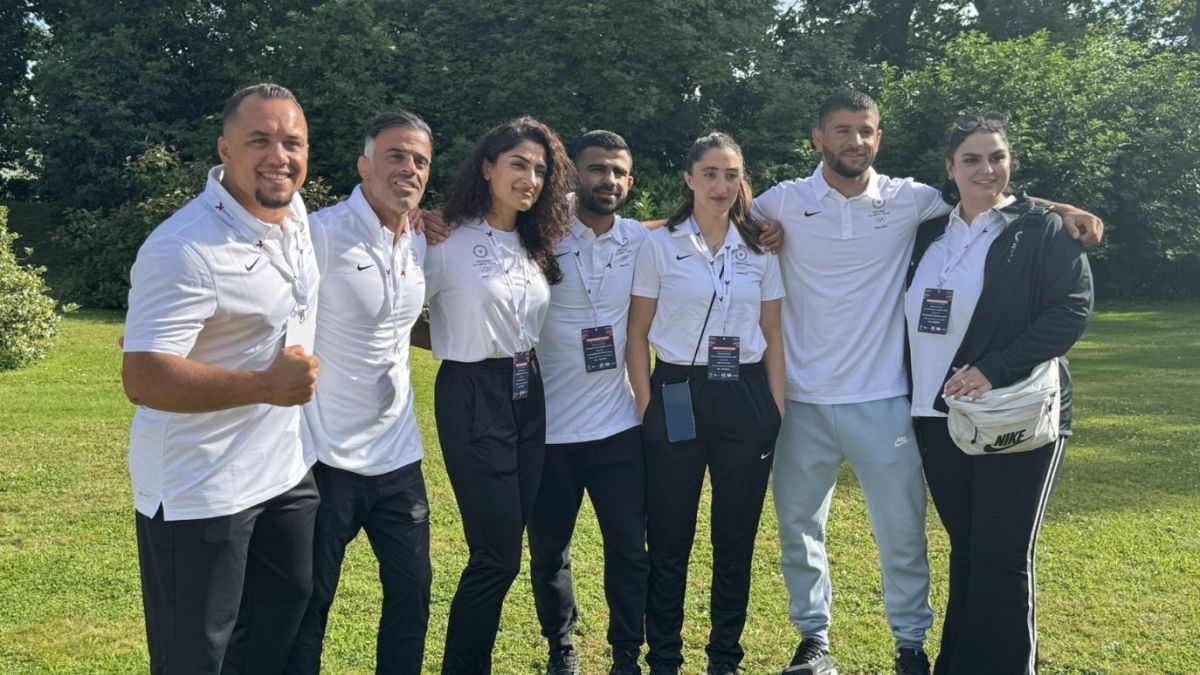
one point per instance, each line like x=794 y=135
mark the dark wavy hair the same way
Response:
x=963 y=127
x=542 y=226
x=739 y=213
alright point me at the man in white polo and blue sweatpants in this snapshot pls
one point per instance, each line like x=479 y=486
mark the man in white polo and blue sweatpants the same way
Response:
x=849 y=237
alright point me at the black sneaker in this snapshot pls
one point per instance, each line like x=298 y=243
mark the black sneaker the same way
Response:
x=562 y=662
x=625 y=663
x=911 y=661
x=812 y=658
x=722 y=669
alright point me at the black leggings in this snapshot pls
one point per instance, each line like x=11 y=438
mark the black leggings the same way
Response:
x=992 y=508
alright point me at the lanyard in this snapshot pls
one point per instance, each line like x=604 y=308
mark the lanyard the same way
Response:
x=954 y=257
x=721 y=286
x=593 y=298
x=523 y=337
x=278 y=254
x=393 y=282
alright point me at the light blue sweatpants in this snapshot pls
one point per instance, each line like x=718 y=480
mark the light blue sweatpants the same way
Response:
x=877 y=439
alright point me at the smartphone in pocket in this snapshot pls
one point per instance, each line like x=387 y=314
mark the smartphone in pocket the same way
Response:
x=677 y=406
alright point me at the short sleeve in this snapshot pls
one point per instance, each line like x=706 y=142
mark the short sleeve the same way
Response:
x=320 y=240
x=929 y=202
x=768 y=205
x=433 y=266
x=646 y=277
x=171 y=296
x=772 y=280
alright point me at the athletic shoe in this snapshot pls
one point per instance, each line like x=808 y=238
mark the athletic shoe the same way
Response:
x=562 y=662
x=722 y=669
x=664 y=670
x=812 y=658
x=625 y=663
x=911 y=661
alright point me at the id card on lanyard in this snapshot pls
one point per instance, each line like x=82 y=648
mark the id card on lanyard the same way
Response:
x=522 y=360
x=599 y=347
x=302 y=324
x=724 y=351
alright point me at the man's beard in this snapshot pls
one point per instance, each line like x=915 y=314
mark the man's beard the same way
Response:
x=588 y=201
x=271 y=201
x=840 y=168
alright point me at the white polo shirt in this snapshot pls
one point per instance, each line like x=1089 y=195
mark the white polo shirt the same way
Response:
x=843 y=264
x=372 y=291
x=954 y=261
x=583 y=406
x=211 y=284
x=487 y=298
x=677 y=269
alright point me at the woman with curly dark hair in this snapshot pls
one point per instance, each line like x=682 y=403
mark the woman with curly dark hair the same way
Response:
x=488 y=290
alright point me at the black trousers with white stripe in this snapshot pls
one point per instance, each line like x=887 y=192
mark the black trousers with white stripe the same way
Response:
x=494 y=449
x=736 y=426
x=992 y=509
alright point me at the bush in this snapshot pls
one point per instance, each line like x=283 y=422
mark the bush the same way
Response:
x=28 y=321
x=103 y=243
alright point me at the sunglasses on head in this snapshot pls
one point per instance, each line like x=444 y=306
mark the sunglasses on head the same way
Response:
x=972 y=122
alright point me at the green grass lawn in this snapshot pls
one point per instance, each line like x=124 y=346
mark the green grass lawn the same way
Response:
x=1118 y=567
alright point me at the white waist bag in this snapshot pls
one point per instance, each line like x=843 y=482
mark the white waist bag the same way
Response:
x=1017 y=418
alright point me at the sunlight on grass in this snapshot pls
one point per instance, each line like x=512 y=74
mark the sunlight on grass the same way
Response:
x=1118 y=569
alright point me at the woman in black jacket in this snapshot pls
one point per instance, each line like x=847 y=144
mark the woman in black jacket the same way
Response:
x=995 y=288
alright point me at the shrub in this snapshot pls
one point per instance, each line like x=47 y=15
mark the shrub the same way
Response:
x=28 y=320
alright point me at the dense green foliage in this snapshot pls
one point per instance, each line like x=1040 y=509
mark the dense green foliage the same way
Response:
x=28 y=320
x=1100 y=93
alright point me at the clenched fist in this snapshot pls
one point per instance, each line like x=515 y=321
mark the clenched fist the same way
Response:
x=292 y=377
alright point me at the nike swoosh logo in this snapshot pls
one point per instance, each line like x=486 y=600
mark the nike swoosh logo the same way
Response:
x=559 y=255
x=810 y=214
x=901 y=441
x=251 y=265
x=681 y=257
x=365 y=267
x=766 y=454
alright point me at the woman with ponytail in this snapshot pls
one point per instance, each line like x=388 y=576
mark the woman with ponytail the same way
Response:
x=707 y=298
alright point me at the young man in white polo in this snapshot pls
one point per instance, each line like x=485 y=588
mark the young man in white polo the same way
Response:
x=361 y=424
x=593 y=438
x=850 y=234
x=225 y=502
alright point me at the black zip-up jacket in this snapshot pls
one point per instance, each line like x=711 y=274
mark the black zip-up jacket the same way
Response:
x=1035 y=303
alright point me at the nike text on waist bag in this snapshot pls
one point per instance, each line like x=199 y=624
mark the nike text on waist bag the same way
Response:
x=1017 y=418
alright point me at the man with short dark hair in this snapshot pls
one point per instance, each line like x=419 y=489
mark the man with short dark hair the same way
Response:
x=593 y=438
x=850 y=234
x=361 y=424
x=220 y=314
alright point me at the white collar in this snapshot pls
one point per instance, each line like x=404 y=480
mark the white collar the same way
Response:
x=823 y=188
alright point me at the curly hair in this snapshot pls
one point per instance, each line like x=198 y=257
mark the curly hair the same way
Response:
x=542 y=226
x=739 y=213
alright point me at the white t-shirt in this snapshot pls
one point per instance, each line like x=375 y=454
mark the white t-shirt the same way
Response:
x=372 y=291
x=677 y=269
x=954 y=261
x=583 y=406
x=487 y=298
x=211 y=284
x=843 y=264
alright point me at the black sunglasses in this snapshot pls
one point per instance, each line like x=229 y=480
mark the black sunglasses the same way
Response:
x=987 y=120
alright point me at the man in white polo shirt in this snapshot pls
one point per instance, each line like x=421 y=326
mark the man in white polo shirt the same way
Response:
x=225 y=502
x=593 y=439
x=850 y=235
x=361 y=423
